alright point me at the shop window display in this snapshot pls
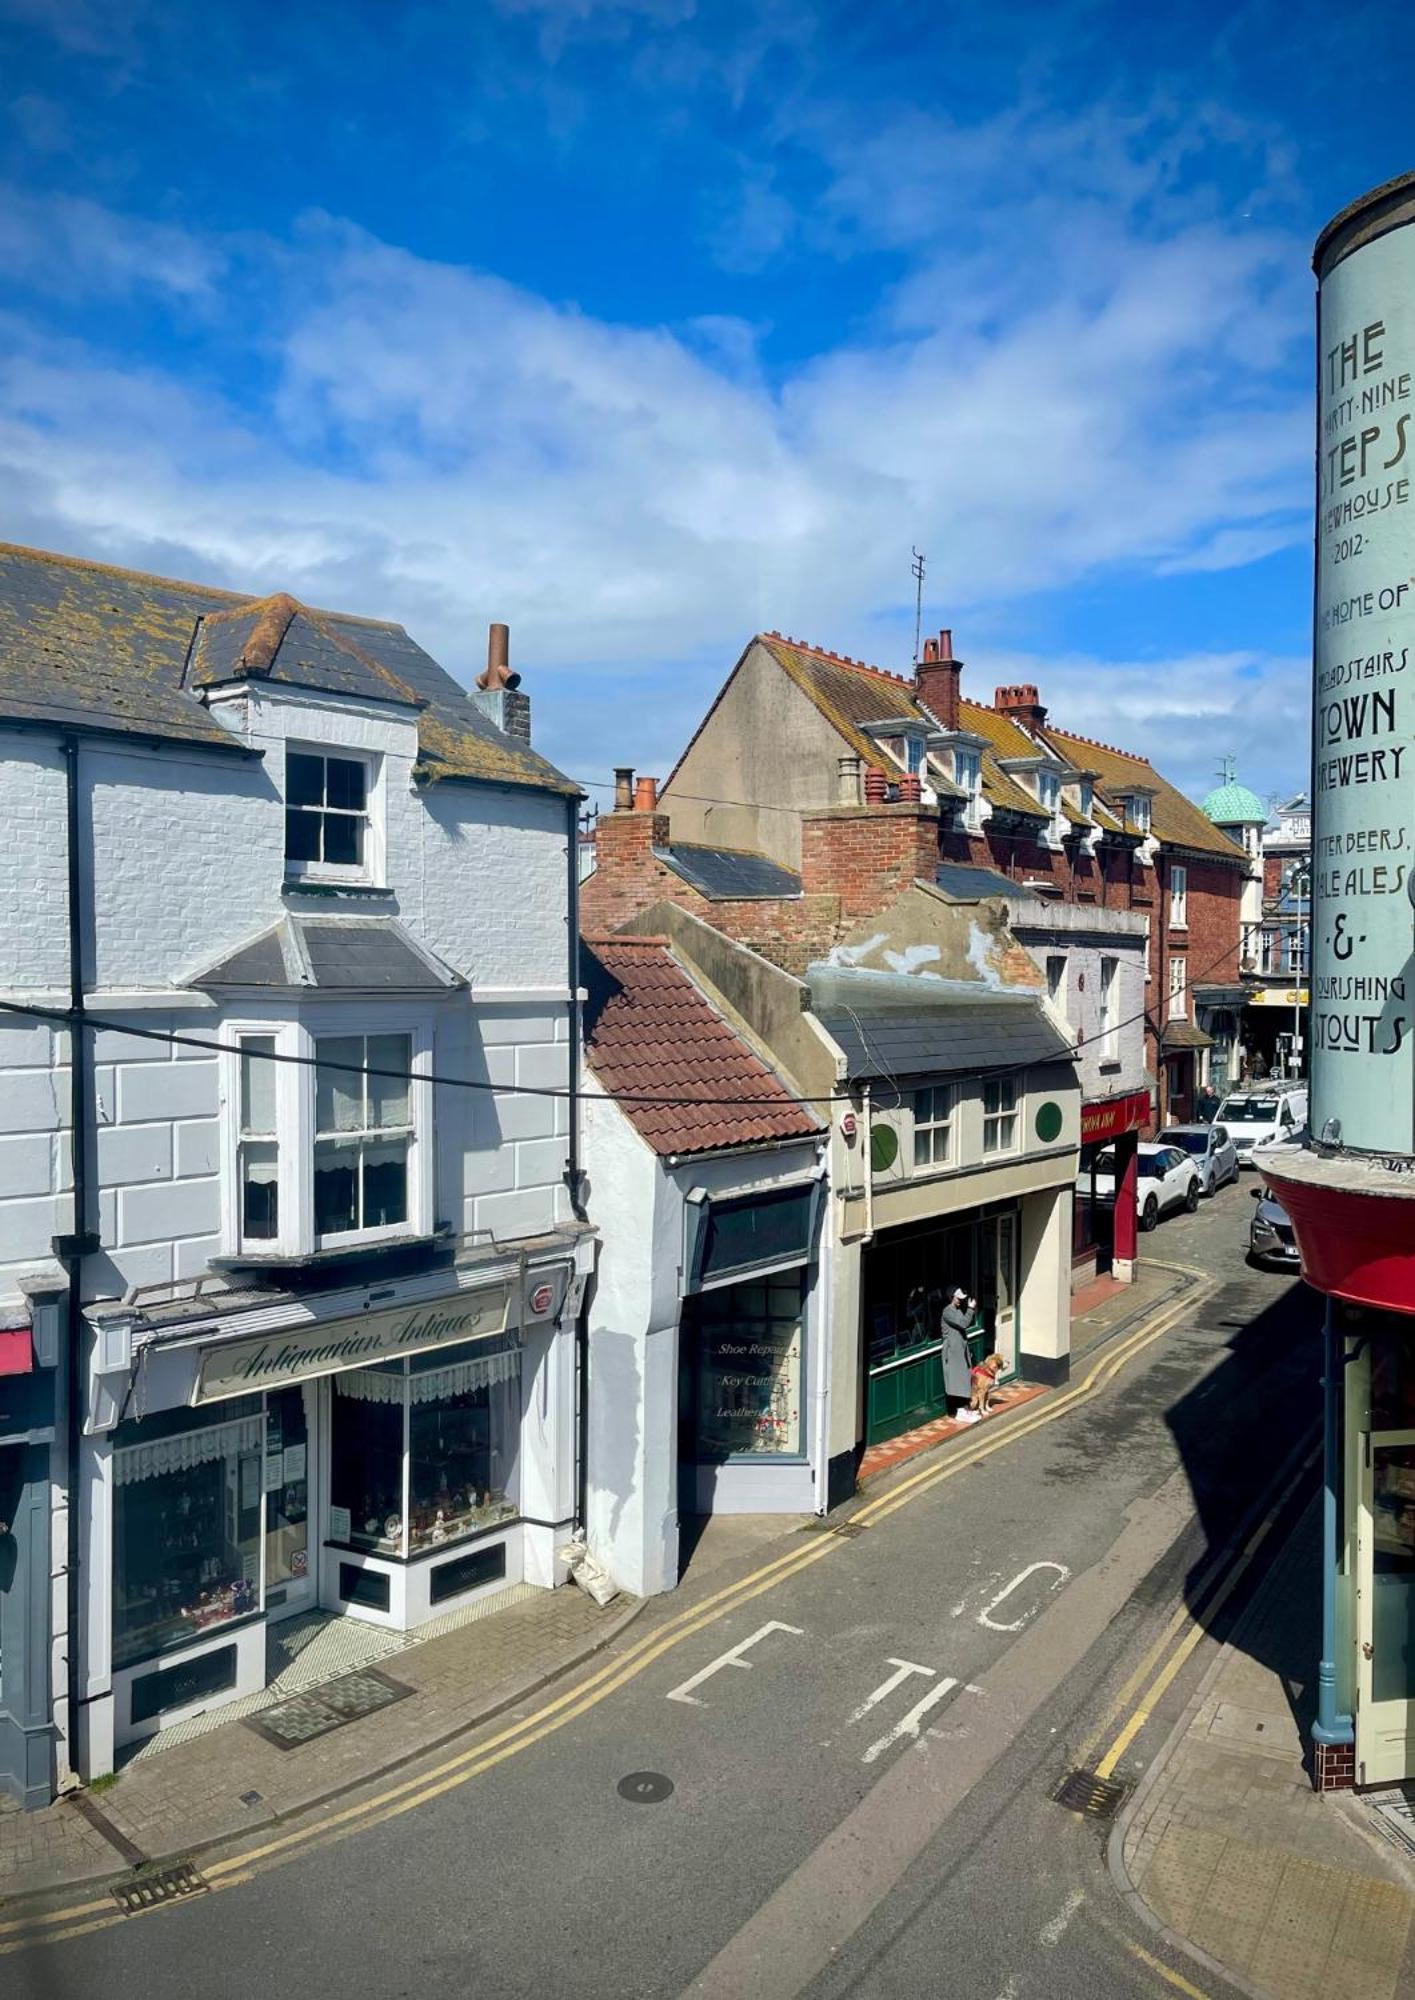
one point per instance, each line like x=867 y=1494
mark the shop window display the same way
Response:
x=443 y=1429
x=186 y=1526
x=744 y=1344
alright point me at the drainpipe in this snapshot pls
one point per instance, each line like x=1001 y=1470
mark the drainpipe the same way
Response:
x=71 y=1249
x=867 y=1131
x=572 y=1160
x=1330 y=1727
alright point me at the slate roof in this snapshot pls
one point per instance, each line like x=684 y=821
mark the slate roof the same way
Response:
x=949 y=1038
x=650 y=1031
x=729 y=874
x=1184 y=1035
x=107 y=649
x=966 y=884
x=332 y=954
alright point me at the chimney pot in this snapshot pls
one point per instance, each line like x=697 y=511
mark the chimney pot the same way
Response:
x=936 y=679
x=498 y=673
x=623 y=788
x=646 y=795
x=911 y=789
x=931 y=650
x=876 y=787
x=1022 y=702
x=945 y=643
x=848 y=780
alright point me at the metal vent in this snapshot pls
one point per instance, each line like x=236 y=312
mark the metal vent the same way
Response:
x=162 y=1885
x=1083 y=1792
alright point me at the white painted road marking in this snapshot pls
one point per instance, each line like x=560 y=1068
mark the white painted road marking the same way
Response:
x=910 y=1724
x=904 y=1669
x=1052 y=1933
x=729 y=1659
x=985 y=1616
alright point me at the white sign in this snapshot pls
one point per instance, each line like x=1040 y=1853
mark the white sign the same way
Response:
x=269 y=1360
x=1363 y=803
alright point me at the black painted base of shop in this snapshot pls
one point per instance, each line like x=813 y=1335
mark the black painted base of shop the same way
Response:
x=840 y=1477
x=1051 y=1370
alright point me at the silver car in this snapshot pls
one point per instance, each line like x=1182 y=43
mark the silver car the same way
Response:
x=1212 y=1150
x=1271 y=1241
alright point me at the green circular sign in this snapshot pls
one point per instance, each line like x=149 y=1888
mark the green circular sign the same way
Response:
x=1048 y=1122
x=884 y=1148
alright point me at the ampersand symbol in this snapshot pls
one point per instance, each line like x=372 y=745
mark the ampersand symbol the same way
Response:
x=1341 y=944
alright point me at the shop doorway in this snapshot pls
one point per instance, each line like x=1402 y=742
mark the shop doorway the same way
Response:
x=291 y=1533
x=1385 y=1608
x=997 y=1286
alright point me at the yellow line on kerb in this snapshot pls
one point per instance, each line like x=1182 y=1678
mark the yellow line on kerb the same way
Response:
x=623 y=1667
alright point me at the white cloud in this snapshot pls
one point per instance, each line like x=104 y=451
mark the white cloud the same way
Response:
x=73 y=247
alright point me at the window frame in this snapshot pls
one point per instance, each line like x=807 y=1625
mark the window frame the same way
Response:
x=934 y=1126
x=968 y=776
x=295 y=1128
x=381 y=1232
x=369 y=872
x=1107 y=1011
x=1178 y=897
x=1008 y=1115
x=1179 y=987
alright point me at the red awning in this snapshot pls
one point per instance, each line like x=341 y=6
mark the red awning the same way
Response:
x=16 y=1350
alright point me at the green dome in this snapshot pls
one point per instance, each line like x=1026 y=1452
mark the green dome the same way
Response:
x=1234 y=805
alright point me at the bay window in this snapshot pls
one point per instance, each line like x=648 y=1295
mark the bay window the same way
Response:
x=363 y=1131
x=257 y=1147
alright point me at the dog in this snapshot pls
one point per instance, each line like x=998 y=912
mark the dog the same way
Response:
x=983 y=1379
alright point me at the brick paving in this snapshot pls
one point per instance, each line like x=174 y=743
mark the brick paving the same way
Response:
x=1233 y=1850
x=880 y=1457
x=190 y=1796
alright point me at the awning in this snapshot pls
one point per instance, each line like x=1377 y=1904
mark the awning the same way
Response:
x=1184 y=1035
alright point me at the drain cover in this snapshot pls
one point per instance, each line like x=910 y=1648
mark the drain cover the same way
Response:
x=645 y=1788
x=304 y=1716
x=1084 y=1792
x=162 y=1885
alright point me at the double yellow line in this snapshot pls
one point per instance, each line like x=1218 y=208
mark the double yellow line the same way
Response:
x=621 y=1668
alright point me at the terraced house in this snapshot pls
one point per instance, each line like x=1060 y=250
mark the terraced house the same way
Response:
x=290 y=1247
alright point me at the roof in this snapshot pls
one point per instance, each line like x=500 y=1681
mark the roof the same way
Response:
x=1185 y=1035
x=962 y=1035
x=1174 y=818
x=333 y=954
x=965 y=884
x=88 y=646
x=726 y=874
x=651 y=1032
x=1233 y=805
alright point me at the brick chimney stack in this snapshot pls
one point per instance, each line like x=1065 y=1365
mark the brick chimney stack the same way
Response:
x=1022 y=703
x=936 y=680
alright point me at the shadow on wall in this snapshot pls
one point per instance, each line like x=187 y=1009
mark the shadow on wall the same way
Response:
x=616 y=1395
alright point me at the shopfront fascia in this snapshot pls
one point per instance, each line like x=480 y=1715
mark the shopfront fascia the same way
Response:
x=749 y=1348
x=1096 y=1243
x=28 y=1358
x=389 y=1459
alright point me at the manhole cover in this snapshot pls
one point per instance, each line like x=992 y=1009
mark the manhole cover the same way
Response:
x=645 y=1788
x=1084 y=1792
x=304 y=1716
x=163 y=1885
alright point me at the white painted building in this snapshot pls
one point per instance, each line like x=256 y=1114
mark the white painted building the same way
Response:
x=326 y=1262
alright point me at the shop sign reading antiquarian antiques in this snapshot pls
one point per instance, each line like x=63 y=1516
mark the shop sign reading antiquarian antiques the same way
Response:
x=269 y=1360
x=1363 y=1054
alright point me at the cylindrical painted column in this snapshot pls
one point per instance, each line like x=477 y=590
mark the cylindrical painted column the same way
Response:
x=1330 y=1727
x=1127 y=1182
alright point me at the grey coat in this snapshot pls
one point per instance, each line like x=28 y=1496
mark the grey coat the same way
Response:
x=956 y=1365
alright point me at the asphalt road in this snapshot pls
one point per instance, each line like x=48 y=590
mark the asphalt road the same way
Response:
x=851 y=1769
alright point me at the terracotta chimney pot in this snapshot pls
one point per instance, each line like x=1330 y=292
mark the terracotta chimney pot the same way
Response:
x=876 y=787
x=646 y=795
x=911 y=789
x=936 y=680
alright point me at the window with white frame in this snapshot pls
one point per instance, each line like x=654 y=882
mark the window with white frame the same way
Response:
x=1149 y=969
x=933 y=1125
x=1108 y=1023
x=1296 y=951
x=968 y=776
x=1048 y=791
x=914 y=755
x=1086 y=797
x=999 y=1114
x=363 y=1132
x=1178 y=989
x=1138 y=812
x=1179 y=898
x=257 y=1141
x=328 y=814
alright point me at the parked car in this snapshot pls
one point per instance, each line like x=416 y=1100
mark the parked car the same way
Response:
x=1271 y=1241
x=1168 y=1179
x=1261 y=1117
x=1211 y=1149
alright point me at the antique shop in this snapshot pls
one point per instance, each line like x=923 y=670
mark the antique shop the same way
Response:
x=384 y=1455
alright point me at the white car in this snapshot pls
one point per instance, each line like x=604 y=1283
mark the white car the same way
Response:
x=1263 y=1117
x=1210 y=1147
x=1168 y=1179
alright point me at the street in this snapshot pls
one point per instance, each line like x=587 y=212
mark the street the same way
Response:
x=832 y=1773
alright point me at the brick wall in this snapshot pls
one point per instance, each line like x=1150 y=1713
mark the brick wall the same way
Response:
x=866 y=854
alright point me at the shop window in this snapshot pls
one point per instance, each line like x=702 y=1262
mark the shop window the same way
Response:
x=738 y=1236
x=933 y=1125
x=742 y=1347
x=327 y=817
x=363 y=1132
x=999 y=1115
x=425 y=1451
x=257 y=1146
x=186 y=1526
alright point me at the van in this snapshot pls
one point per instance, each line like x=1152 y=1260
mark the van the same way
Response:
x=1262 y=1117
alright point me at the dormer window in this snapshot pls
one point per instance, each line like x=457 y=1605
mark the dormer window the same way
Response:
x=968 y=776
x=914 y=755
x=1048 y=791
x=1138 y=812
x=1085 y=797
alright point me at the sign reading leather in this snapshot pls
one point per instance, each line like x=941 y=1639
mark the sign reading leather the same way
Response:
x=266 y=1361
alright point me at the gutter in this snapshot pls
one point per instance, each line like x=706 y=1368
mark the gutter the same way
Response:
x=572 y=1159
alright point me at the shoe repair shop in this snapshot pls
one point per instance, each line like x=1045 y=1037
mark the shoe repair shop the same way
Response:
x=387 y=1455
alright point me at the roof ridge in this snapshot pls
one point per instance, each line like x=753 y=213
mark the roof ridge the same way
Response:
x=1096 y=743
x=236 y=598
x=598 y=939
x=839 y=659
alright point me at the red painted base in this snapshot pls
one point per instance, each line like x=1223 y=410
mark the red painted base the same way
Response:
x=1334 y=1767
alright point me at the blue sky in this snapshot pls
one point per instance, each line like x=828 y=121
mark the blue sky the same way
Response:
x=646 y=324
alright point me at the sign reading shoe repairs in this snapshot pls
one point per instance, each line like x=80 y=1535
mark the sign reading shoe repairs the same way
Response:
x=1363 y=791
x=268 y=1361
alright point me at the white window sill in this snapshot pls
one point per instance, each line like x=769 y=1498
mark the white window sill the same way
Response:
x=297 y=875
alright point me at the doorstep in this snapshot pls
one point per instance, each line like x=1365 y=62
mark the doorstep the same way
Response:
x=880 y=1457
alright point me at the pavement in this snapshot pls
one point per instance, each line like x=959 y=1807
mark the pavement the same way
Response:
x=1227 y=1850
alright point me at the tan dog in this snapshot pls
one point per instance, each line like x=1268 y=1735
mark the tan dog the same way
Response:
x=982 y=1379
